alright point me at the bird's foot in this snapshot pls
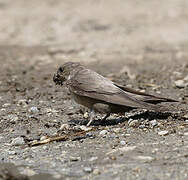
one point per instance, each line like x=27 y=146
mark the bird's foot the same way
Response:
x=92 y=115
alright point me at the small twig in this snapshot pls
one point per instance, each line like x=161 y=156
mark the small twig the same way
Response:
x=57 y=138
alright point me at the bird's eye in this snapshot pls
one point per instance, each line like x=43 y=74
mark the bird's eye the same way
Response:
x=61 y=69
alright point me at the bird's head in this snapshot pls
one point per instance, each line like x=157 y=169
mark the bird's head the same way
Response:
x=65 y=72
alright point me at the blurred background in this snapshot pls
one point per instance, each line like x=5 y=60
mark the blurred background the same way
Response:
x=139 y=43
x=97 y=29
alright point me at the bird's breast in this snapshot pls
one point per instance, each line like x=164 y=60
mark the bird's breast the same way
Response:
x=83 y=100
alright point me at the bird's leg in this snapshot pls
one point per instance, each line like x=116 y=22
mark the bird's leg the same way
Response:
x=107 y=115
x=92 y=115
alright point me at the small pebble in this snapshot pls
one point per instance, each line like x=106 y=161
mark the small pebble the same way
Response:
x=93 y=158
x=18 y=141
x=117 y=130
x=28 y=172
x=34 y=110
x=142 y=90
x=89 y=134
x=122 y=142
x=13 y=118
x=64 y=127
x=163 y=133
x=177 y=74
x=86 y=115
x=96 y=171
x=45 y=147
x=186 y=78
x=185 y=116
x=6 y=105
x=11 y=152
x=122 y=149
x=155 y=150
x=145 y=158
x=103 y=132
x=74 y=158
x=113 y=158
x=43 y=138
x=153 y=123
x=85 y=128
x=180 y=83
x=22 y=102
x=88 y=169
x=133 y=123
x=127 y=148
x=57 y=176
x=113 y=135
x=127 y=135
x=142 y=126
x=185 y=134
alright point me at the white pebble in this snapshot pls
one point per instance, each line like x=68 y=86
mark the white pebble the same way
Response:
x=34 y=109
x=117 y=130
x=93 y=158
x=185 y=116
x=96 y=171
x=87 y=169
x=28 y=172
x=43 y=138
x=133 y=123
x=18 y=141
x=11 y=152
x=186 y=78
x=180 y=83
x=145 y=158
x=122 y=142
x=64 y=127
x=185 y=134
x=86 y=115
x=103 y=132
x=122 y=149
x=163 y=133
x=85 y=128
x=6 y=105
x=127 y=148
x=72 y=158
x=153 y=122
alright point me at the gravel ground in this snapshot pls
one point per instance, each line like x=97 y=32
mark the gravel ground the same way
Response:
x=142 y=45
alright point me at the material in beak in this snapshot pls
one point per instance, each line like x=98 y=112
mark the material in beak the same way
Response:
x=57 y=80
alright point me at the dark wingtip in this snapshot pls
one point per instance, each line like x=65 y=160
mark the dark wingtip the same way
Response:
x=160 y=100
x=170 y=100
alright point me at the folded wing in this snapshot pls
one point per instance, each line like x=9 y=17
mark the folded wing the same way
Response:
x=90 y=84
x=143 y=96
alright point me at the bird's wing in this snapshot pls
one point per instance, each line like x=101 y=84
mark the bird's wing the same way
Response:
x=143 y=96
x=90 y=84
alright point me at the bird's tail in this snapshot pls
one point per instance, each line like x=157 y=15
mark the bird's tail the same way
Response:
x=162 y=109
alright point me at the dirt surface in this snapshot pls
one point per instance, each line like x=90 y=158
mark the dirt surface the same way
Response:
x=142 y=45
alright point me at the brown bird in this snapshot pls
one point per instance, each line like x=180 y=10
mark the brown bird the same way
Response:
x=99 y=94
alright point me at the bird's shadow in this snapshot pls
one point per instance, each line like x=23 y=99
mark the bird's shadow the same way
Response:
x=114 y=121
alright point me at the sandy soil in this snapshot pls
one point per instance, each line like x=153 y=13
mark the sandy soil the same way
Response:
x=142 y=45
